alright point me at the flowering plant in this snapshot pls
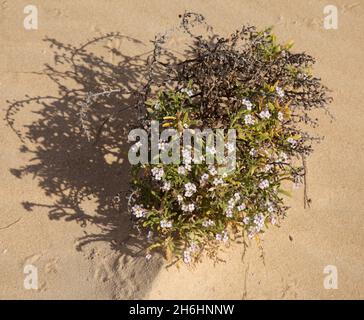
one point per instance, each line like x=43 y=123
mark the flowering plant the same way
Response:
x=186 y=207
x=247 y=82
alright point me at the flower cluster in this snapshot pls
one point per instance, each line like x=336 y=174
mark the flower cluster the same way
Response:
x=264 y=184
x=166 y=224
x=157 y=173
x=231 y=205
x=249 y=120
x=258 y=224
x=138 y=211
x=190 y=189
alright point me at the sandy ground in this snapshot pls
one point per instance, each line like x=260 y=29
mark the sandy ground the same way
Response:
x=55 y=211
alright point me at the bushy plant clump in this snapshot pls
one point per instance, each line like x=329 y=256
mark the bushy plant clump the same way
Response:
x=248 y=82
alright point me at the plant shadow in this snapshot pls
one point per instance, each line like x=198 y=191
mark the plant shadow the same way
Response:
x=72 y=170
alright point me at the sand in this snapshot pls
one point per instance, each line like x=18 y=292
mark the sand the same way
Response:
x=55 y=210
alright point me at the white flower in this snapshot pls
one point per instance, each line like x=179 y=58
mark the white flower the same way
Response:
x=258 y=225
x=188 y=207
x=193 y=247
x=157 y=173
x=241 y=207
x=208 y=223
x=186 y=257
x=270 y=209
x=280 y=92
x=246 y=220
x=138 y=211
x=264 y=114
x=188 y=167
x=237 y=196
x=247 y=104
x=188 y=91
x=259 y=221
x=157 y=105
x=231 y=203
x=166 y=224
x=182 y=170
x=282 y=157
x=280 y=116
x=217 y=181
x=212 y=170
x=222 y=237
x=148 y=256
x=252 y=233
x=292 y=141
x=185 y=125
x=268 y=167
x=225 y=236
x=229 y=213
x=248 y=119
x=189 y=194
x=166 y=186
x=264 y=184
x=190 y=189
x=179 y=199
x=253 y=152
x=301 y=75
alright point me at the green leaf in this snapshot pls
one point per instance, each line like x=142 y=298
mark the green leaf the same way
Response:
x=252 y=170
x=155 y=245
x=285 y=192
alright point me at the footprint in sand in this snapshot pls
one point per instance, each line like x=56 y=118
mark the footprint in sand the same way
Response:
x=4 y=5
x=289 y=287
x=103 y=270
x=52 y=266
x=57 y=13
x=32 y=259
x=346 y=8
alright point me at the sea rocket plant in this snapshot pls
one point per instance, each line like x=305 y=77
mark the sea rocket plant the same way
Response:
x=247 y=82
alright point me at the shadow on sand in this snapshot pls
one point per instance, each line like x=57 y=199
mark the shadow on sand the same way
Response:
x=72 y=170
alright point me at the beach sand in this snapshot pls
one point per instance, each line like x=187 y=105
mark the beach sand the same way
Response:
x=55 y=211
